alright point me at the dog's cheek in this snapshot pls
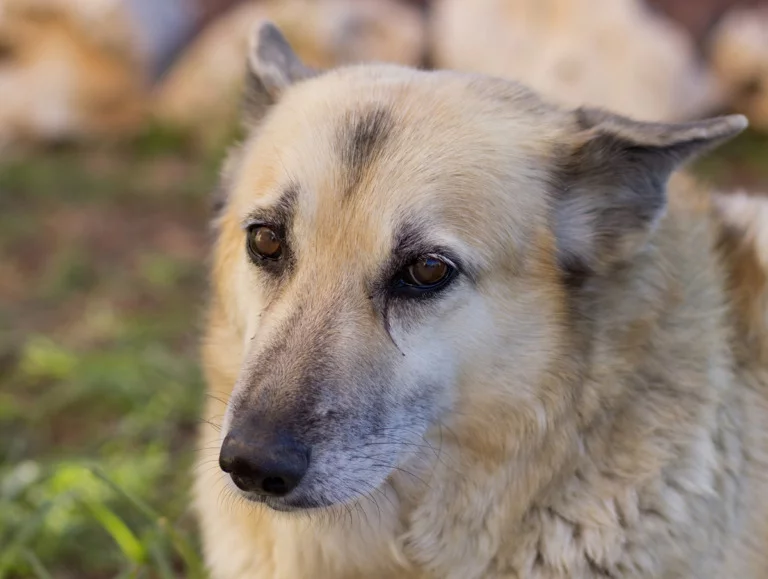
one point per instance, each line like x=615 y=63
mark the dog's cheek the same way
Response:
x=426 y=369
x=440 y=349
x=432 y=343
x=251 y=297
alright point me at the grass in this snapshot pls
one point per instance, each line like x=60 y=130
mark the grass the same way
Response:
x=102 y=258
x=101 y=280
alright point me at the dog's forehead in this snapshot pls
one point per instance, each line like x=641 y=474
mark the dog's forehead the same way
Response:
x=373 y=151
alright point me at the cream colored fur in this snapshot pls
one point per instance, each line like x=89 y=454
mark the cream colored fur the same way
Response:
x=618 y=429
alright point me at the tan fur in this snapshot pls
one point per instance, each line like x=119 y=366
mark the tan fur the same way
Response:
x=739 y=56
x=619 y=430
x=68 y=70
x=617 y=54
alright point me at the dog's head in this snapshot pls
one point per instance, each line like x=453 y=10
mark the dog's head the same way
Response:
x=397 y=249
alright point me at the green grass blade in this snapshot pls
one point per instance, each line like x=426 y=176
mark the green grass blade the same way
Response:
x=192 y=560
x=130 y=573
x=23 y=536
x=128 y=542
x=160 y=557
x=37 y=566
x=148 y=512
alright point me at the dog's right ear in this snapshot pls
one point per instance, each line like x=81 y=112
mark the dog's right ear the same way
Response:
x=272 y=67
x=612 y=181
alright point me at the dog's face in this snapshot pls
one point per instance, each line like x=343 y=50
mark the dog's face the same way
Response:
x=398 y=249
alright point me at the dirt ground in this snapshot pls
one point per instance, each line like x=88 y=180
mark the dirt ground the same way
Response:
x=102 y=258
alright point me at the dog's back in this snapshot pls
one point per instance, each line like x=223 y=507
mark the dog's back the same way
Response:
x=741 y=224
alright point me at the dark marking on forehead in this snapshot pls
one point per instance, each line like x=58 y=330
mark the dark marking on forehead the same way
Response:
x=362 y=137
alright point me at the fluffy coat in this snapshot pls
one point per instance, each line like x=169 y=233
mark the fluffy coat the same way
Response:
x=587 y=398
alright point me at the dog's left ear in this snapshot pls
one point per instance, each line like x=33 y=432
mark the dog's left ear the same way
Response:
x=272 y=67
x=611 y=186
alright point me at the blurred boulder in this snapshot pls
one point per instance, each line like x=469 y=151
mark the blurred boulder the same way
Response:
x=617 y=54
x=201 y=92
x=739 y=55
x=698 y=17
x=68 y=69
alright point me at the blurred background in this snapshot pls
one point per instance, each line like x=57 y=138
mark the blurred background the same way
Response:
x=114 y=116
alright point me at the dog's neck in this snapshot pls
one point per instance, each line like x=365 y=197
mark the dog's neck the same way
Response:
x=653 y=428
x=637 y=458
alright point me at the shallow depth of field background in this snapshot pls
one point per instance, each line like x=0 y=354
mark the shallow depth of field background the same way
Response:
x=103 y=246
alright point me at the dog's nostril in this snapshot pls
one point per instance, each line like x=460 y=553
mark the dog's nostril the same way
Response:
x=274 y=485
x=244 y=483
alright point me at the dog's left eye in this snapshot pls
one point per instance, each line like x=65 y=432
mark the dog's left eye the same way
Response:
x=264 y=243
x=426 y=274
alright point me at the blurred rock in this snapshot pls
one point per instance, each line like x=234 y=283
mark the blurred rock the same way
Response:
x=739 y=56
x=77 y=69
x=68 y=69
x=202 y=91
x=616 y=54
x=698 y=17
x=164 y=29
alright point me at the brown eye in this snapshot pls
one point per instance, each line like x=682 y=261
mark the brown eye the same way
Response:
x=264 y=242
x=427 y=272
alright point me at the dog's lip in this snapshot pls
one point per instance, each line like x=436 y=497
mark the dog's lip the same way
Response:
x=278 y=505
x=293 y=502
x=285 y=505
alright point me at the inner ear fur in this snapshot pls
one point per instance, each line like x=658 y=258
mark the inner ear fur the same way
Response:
x=272 y=67
x=611 y=183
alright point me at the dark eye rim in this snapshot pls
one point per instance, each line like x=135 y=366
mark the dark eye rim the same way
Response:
x=402 y=287
x=258 y=257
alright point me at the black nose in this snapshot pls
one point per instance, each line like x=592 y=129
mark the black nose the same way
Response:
x=265 y=464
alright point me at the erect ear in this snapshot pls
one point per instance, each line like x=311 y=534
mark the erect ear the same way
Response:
x=272 y=67
x=612 y=183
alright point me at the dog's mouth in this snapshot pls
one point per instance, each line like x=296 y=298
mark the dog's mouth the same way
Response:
x=287 y=504
x=311 y=496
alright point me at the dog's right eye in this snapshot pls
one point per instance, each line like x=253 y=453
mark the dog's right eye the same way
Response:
x=263 y=242
x=427 y=272
x=424 y=276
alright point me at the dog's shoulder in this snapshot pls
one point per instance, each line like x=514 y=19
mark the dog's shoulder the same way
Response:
x=741 y=223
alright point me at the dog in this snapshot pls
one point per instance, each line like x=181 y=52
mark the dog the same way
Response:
x=457 y=332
